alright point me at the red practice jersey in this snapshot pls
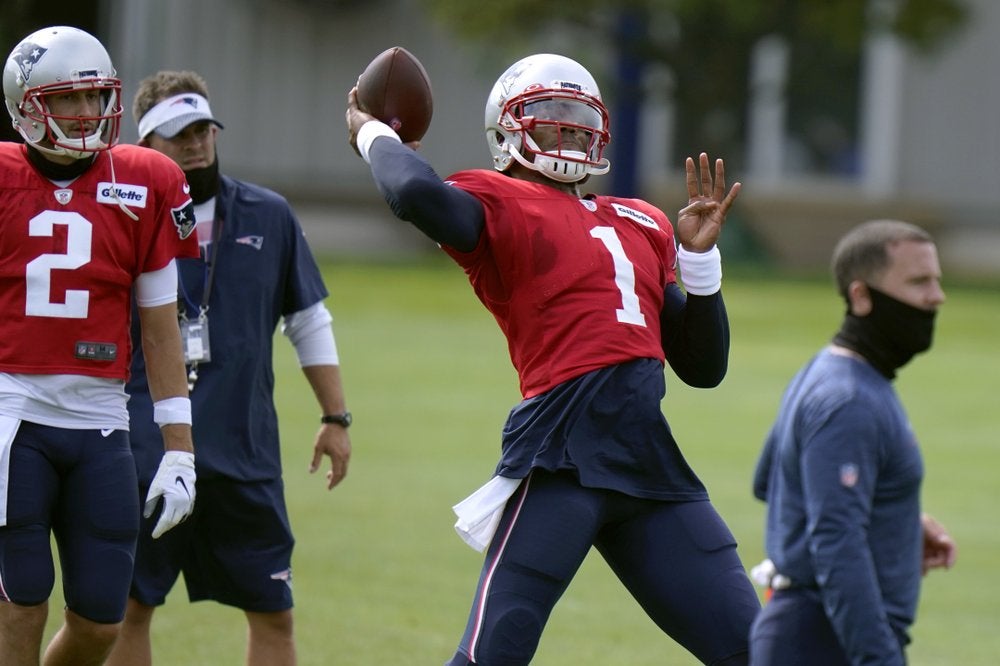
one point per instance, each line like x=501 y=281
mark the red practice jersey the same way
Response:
x=69 y=256
x=575 y=284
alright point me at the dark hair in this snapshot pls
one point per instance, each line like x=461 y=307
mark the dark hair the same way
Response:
x=863 y=253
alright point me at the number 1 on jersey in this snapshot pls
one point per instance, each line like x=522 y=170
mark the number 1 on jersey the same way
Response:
x=629 y=312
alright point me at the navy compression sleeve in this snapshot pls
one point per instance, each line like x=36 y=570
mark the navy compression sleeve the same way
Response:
x=415 y=193
x=695 y=336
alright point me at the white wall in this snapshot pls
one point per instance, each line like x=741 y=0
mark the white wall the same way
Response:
x=279 y=73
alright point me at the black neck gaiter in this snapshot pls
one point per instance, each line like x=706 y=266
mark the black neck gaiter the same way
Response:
x=204 y=182
x=890 y=335
x=54 y=170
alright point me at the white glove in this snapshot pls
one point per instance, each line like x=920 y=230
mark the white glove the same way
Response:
x=174 y=481
x=766 y=575
x=763 y=573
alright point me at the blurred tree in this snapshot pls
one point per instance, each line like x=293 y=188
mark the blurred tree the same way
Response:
x=706 y=46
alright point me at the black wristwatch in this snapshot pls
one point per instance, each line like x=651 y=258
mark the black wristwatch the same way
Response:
x=345 y=419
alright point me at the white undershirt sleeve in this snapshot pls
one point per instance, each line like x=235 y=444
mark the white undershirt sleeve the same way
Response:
x=311 y=334
x=157 y=287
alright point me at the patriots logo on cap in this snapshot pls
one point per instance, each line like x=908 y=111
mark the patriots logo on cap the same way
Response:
x=27 y=56
x=190 y=101
x=184 y=219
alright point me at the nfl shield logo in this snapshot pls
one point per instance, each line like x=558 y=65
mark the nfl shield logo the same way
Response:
x=848 y=475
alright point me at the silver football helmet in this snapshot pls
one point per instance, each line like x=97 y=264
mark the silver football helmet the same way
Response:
x=547 y=90
x=53 y=61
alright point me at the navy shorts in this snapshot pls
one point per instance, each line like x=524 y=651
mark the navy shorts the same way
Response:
x=236 y=549
x=81 y=486
x=678 y=559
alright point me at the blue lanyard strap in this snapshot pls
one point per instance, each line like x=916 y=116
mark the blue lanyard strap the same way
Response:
x=210 y=260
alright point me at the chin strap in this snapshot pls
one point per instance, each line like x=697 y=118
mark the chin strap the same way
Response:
x=114 y=190
x=567 y=167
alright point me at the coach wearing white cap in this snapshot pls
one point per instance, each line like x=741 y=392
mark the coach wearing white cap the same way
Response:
x=174 y=114
x=186 y=114
x=256 y=271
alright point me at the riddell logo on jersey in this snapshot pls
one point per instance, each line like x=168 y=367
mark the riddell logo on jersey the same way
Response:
x=133 y=195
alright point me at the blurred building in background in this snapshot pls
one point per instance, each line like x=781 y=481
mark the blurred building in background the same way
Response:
x=892 y=134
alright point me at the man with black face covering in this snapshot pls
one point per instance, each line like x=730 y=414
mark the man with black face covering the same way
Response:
x=841 y=469
x=255 y=271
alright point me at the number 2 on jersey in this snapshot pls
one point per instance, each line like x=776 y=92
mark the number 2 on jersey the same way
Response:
x=629 y=312
x=38 y=272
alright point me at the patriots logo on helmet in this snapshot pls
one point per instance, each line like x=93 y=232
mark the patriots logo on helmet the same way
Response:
x=510 y=78
x=184 y=219
x=27 y=56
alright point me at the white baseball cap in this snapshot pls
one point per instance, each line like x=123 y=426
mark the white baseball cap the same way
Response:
x=172 y=115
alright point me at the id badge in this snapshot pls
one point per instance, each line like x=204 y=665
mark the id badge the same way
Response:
x=194 y=335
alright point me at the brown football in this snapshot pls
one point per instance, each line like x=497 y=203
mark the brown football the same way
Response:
x=395 y=89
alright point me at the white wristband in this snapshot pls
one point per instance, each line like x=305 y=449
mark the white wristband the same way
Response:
x=370 y=131
x=701 y=272
x=172 y=410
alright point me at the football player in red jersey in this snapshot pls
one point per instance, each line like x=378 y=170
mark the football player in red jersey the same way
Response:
x=84 y=222
x=584 y=287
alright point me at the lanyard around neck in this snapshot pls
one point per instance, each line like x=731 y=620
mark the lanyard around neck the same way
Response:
x=211 y=261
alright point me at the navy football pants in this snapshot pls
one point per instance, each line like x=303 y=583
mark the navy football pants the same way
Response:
x=81 y=486
x=678 y=559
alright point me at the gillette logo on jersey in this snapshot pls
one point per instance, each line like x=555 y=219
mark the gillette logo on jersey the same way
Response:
x=131 y=195
x=635 y=216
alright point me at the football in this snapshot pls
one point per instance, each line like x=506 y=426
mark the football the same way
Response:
x=395 y=89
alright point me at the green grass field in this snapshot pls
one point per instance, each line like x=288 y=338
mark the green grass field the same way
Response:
x=381 y=577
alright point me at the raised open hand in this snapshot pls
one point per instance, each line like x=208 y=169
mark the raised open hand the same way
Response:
x=700 y=222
